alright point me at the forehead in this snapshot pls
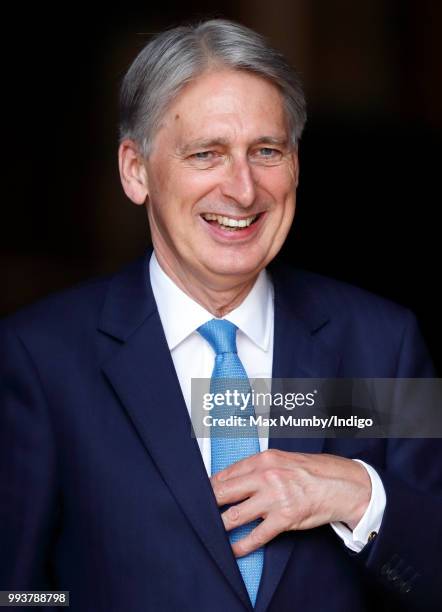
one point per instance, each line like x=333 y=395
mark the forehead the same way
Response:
x=226 y=104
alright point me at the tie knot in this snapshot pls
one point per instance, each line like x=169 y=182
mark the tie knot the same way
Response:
x=220 y=334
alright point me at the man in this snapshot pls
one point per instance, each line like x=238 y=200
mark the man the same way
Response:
x=104 y=492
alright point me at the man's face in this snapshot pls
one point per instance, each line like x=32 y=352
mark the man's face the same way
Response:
x=221 y=180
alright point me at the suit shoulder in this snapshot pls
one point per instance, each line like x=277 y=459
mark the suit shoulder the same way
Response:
x=70 y=316
x=310 y=293
x=62 y=312
x=341 y=293
x=374 y=336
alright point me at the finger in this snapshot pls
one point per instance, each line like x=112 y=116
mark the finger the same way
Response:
x=245 y=512
x=240 y=468
x=235 y=489
x=258 y=537
x=249 y=464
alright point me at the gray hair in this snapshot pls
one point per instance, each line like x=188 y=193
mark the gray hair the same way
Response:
x=177 y=56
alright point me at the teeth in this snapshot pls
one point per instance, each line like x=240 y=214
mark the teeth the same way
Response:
x=228 y=222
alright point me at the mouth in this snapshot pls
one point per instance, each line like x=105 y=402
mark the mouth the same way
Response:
x=230 y=224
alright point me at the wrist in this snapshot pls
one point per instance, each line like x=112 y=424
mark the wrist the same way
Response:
x=360 y=495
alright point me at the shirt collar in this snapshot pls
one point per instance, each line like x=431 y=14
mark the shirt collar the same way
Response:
x=180 y=315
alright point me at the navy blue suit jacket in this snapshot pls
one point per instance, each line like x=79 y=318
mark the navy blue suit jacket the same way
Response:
x=103 y=492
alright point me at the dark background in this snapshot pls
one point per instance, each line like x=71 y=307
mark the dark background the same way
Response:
x=369 y=195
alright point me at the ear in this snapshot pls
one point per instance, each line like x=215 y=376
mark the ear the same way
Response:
x=133 y=173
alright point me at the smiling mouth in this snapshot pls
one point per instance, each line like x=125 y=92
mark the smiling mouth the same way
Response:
x=228 y=223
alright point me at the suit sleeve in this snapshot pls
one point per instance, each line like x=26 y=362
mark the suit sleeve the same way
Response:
x=27 y=470
x=406 y=555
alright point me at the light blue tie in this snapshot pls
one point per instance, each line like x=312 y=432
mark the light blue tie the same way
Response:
x=238 y=443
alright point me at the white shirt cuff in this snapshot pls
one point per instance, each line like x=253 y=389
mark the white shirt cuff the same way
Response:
x=371 y=519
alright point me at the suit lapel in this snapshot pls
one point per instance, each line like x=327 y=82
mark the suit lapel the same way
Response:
x=142 y=374
x=298 y=353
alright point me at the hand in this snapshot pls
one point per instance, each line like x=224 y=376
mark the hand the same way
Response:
x=290 y=491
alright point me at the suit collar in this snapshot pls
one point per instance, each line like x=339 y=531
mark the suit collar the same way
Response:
x=129 y=300
x=300 y=317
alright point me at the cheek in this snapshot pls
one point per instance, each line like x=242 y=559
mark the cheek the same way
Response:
x=287 y=189
x=187 y=191
x=285 y=201
x=278 y=181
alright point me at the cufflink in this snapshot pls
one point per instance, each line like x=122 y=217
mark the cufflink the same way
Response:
x=372 y=536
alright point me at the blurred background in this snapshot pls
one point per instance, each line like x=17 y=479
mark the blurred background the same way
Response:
x=369 y=195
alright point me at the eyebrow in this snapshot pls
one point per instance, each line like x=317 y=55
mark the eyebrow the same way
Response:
x=206 y=143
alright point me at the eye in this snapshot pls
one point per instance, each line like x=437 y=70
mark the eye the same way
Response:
x=268 y=156
x=203 y=155
x=268 y=152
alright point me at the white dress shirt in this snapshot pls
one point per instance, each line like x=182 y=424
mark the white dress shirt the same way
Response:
x=193 y=357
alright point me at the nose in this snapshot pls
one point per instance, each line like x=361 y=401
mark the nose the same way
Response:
x=239 y=183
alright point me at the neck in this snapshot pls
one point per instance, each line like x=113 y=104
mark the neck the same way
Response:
x=219 y=300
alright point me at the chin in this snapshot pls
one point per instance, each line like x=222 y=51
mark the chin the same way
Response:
x=237 y=269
